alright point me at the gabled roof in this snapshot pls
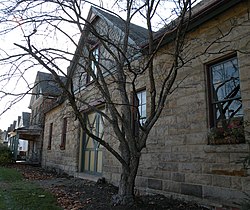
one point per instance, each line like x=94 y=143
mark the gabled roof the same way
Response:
x=48 y=86
x=137 y=33
x=25 y=119
x=13 y=126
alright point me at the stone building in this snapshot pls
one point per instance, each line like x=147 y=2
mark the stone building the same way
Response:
x=30 y=125
x=194 y=148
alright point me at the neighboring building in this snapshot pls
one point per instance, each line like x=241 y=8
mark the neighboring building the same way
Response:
x=18 y=146
x=188 y=154
x=25 y=134
x=4 y=137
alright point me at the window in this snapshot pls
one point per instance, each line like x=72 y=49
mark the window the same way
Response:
x=94 y=59
x=226 y=111
x=93 y=150
x=142 y=106
x=50 y=136
x=64 y=132
x=139 y=106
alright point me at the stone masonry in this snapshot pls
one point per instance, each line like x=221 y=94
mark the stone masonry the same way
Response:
x=178 y=160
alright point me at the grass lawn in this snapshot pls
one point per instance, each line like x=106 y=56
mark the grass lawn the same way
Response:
x=19 y=194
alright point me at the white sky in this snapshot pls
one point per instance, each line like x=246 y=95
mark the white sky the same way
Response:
x=7 y=43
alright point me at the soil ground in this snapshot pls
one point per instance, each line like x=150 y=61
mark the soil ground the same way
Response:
x=75 y=194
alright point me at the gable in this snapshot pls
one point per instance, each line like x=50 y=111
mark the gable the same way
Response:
x=45 y=85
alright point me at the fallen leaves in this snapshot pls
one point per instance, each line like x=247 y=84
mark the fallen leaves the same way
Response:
x=76 y=194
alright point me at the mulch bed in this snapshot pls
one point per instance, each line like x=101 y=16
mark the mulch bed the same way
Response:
x=75 y=194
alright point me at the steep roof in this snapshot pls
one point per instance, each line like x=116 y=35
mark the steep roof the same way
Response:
x=47 y=84
x=137 y=33
x=26 y=119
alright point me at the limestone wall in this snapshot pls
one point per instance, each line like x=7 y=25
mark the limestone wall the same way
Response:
x=58 y=158
x=178 y=160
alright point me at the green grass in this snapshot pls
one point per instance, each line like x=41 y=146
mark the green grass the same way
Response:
x=10 y=175
x=18 y=194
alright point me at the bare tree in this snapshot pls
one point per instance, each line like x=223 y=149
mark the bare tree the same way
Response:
x=115 y=74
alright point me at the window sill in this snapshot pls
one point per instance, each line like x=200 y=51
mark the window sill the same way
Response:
x=227 y=148
x=62 y=147
x=226 y=140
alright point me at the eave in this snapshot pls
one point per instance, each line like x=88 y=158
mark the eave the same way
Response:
x=202 y=16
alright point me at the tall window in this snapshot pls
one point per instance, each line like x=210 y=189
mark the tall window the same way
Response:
x=64 y=133
x=94 y=59
x=93 y=150
x=142 y=106
x=139 y=105
x=50 y=136
x=225 y=97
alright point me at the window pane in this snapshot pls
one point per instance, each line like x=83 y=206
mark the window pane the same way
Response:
x=143 y=97
x=99 y=162
x=229 y=109
x=225 y=79
x=86 y=161
x=95 y=54
x=226 y=97
x=92 y=161
x=142 y=106
x=143 y=111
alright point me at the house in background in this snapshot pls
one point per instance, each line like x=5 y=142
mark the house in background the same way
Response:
x=45 y=93
x=18 y=146
x=189 y=153
x=25 y=134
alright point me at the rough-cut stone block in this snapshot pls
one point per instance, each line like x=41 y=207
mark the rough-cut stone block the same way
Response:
x=203 y=157
x=189 y=189
x=223 y=158
x=201 y=179
x=222 y=194
x=166 y=175
x=141 y=182
x=221 y=181
x=181 y=157
x=155 y=184
x=236 y=183
x=178 y=177
x=191 y=167
x=246 y=184
x=179 y=148
x=170 y=186
x=168 y=166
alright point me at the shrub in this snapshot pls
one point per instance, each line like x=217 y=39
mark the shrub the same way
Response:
x=5 y=155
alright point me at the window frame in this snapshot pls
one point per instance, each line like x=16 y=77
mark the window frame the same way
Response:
x=64 y=133
x=212 y=117
x=142 y=119
x=215 y=122
x=92 y=64
x=136 y=109
x=50 y=136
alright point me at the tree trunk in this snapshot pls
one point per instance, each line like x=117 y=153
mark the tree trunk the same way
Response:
x=125 y=194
